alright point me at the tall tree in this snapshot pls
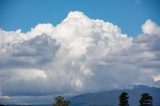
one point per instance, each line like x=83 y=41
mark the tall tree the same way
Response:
x=60 y=101
x=123 y=99
x=146 y=100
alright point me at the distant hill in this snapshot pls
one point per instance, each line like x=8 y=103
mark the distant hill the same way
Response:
x=110 y=98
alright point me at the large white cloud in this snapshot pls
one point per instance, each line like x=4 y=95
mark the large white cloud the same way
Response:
x=76 y=56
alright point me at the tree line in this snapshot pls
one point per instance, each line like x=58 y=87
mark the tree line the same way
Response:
x=145 y=100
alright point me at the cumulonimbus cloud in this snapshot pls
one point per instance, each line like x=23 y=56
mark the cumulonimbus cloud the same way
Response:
x=76 y=56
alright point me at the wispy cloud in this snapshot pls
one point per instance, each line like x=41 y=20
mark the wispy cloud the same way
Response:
x=136 y=2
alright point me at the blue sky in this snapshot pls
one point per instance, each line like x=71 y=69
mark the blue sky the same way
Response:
x=129 y=15
x=80 y=54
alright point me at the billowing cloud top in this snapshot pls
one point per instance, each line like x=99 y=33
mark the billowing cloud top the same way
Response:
x=76 y=56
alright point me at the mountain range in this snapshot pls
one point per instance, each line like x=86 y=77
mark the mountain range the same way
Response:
x=111 y=98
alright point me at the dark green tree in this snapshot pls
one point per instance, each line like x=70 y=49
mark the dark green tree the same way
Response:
x=60 y=101
x=123 y=99
x=146 y=100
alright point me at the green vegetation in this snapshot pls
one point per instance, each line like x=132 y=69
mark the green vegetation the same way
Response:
x=123 y=99
x=146 y=100
x=60 y=101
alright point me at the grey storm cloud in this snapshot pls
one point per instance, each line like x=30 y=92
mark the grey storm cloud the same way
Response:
x=76 y=56
x=30 y=53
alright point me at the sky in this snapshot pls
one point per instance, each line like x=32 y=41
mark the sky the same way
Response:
x=50 y=48
x=129 y=15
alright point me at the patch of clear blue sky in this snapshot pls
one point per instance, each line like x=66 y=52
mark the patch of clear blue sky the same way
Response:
x=129 y=15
